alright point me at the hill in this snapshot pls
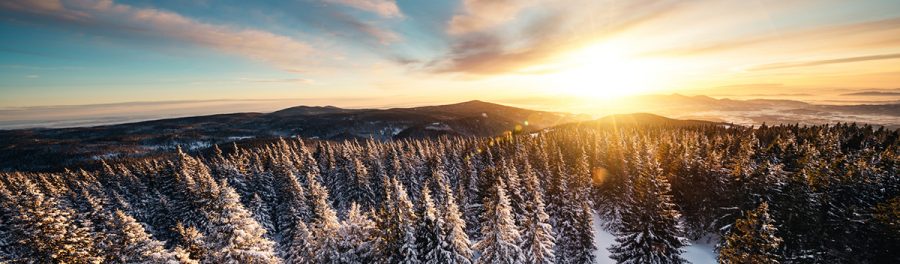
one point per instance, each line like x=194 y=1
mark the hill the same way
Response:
x=33 y=149
x=639 y=119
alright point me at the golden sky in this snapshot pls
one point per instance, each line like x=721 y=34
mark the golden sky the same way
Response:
x=389 y=53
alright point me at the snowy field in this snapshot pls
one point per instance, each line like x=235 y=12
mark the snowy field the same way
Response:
x=699 y=252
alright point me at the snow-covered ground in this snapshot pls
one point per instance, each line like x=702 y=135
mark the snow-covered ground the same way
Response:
x=699 y=252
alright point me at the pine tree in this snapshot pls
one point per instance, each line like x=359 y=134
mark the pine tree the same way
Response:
x=130 y=243
x=357 y=238
x=302 y=246
x=752 y=239
x=190 y=242
x=397 y=224
x=291 y=209
x=501 y=238
x=235 y=236
x=574 y=221
x=650 y=231
x=324 y=225
x=456 y=244
x=261 y=213
x=429 y=235
x=537 y=234
x=44 y=232
x=474 y=196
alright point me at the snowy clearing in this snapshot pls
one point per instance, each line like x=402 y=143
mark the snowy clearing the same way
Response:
x=699 y=252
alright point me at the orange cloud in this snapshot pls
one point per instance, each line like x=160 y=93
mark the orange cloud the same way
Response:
x=495 y=37
x=479 y=15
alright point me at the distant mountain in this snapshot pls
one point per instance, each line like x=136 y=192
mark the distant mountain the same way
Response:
x=759 y=111
x=29 y=149
x=312 y=110
x=640 y=119
x=873 y=93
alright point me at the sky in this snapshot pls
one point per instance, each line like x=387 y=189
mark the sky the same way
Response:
x=378 y=53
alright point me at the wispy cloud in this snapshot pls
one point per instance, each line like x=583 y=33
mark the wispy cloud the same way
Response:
x=479 y=15
x=783 y=65
x=385 y=8
x=278 y=80
x=381 y=35
x=108 y=18
x=865 y=34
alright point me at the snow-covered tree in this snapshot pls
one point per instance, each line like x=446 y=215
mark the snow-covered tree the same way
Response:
x=235 y=237
x=456 y=244
x=429 y=234
x=752 y=239
x=357 y=238
x=44 y=232
x=190 y=242
x=573 y=221
x=537 y=234
x=501 y=238
x=301 y=249
x=130 y=243
x=324 y=226
x=397 y=223
x=650 y=231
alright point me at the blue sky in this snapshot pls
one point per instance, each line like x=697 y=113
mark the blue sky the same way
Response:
x=385 y=52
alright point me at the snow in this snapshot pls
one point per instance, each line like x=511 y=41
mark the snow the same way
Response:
x=699 y=252
x=438 y=127
x=603 y=240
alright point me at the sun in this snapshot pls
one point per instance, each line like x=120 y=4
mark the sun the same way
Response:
x=607 y=70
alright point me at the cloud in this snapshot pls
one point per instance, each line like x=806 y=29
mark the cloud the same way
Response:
x=382 y=36
x=506 y=36
x=479 y=15
x=384 y=8
x=104 y=17
x=866 y=34
x=783 y=65
x=278 y=80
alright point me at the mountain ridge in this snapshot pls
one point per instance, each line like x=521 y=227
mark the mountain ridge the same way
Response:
x=24 y=147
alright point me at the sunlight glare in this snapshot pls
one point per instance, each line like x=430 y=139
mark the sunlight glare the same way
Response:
x=608 y=70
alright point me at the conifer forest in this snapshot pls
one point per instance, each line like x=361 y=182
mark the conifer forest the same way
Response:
x=770 y=194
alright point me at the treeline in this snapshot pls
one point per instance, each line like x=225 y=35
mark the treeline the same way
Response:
x=785 y=194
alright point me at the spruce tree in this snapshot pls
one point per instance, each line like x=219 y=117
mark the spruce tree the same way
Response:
x=235 y=236
x=456 y=244
x=573 y=221
x=397 y=224
x=752 y=239
x=501 y=238
x=262 y=214
x=537 y=234
x=324 y=226
x=45 y=232
x=650 y=231
x=429 y=235
x=190 y=242
x=301 y=248
x=130 y=243
x=357 y=238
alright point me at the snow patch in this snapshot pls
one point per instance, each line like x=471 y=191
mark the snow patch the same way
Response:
x=699 y=252
x=437 y=126
x=237 y=138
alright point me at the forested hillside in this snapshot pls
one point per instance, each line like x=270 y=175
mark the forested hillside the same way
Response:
x=783 y=194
